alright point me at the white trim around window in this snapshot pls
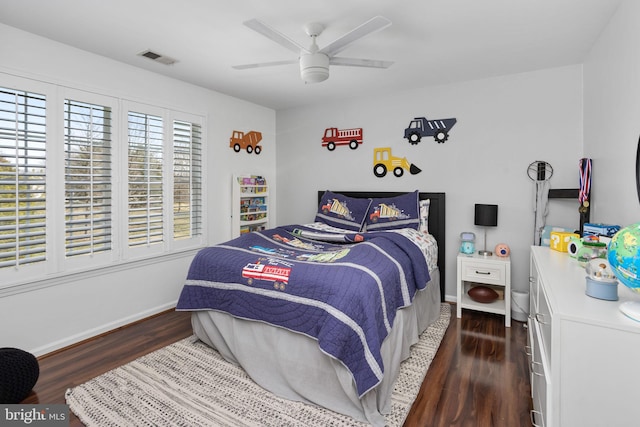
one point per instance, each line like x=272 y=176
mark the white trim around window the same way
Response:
x=88 y=206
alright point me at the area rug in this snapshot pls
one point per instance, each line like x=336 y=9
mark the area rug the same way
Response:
x=172 y=387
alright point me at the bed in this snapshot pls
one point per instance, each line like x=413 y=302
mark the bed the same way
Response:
x=325 y=312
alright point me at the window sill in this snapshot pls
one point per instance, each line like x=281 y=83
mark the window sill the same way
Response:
x=54 y=280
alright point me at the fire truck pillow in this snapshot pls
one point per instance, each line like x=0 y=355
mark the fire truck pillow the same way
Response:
x=391 y=213
x=341 y=211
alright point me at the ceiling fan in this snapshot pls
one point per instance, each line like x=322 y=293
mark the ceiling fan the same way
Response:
x=314 y=62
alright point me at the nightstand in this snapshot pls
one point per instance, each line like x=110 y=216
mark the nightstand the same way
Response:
x=489 y=270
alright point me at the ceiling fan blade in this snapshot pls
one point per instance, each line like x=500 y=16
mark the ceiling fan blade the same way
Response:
x=264 y=64
x=357 y=62
x=274 y=35
x=371 y=26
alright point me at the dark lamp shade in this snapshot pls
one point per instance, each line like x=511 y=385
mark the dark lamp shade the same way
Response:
x=486 y=215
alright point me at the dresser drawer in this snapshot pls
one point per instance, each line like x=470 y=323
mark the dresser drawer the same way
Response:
x=484 y=273
x=543 y=319
x=539 y=381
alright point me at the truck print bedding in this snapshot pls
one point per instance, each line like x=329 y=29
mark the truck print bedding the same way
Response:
x=330 y=311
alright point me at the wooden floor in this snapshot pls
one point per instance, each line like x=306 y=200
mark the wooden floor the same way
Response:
x=479 y=377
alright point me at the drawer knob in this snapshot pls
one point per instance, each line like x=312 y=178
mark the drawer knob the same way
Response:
x=483 y=272
x=533 y=369
x=540 y=318
x=533 y=413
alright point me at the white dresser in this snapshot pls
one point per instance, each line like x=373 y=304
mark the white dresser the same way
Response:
x=584 y=353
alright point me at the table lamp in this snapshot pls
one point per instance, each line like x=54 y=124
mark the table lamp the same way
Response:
x=486 y=216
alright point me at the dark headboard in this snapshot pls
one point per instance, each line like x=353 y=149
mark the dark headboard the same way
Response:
x=436 y=221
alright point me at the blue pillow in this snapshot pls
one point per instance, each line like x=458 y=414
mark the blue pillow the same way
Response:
x=341 y=211
x=391 y=213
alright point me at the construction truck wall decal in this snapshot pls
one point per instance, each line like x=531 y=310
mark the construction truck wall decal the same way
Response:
x=246 y=141
x=334 y=136
x=421 y=127
x=384 y=161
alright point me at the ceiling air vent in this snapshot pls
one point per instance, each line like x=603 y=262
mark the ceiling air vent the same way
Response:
x=166 y=60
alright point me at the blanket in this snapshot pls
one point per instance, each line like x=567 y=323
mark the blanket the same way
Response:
x=342 y=289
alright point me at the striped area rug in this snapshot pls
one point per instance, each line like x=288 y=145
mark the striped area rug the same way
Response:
x=172 y=387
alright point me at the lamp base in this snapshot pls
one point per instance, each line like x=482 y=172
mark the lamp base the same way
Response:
x=485 y=253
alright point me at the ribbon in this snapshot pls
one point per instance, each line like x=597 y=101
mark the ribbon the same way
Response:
x=585 y=180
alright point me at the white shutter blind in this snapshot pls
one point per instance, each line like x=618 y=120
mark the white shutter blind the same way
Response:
x=187 y=180
x=87 y=178
x=145 y=179
x=22 y=177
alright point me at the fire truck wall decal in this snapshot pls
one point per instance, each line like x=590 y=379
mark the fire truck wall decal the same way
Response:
x=421 y=127
x=384 y=162
x=334 y=136
x=248 y=141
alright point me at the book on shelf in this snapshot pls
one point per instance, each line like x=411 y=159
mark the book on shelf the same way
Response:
x=252 y=184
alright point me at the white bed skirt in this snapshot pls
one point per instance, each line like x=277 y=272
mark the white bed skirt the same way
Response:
x=291 y=365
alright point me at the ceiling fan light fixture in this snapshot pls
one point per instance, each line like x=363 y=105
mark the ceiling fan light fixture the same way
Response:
x=314 y=67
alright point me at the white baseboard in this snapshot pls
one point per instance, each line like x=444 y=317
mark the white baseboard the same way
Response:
x=90 y=333
x=449 y=298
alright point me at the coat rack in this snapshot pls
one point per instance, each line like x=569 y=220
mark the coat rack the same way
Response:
x=541 y=172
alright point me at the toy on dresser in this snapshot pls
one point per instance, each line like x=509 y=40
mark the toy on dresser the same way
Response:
x=467 y=242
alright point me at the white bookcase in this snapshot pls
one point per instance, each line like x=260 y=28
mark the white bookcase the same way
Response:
x=250 y=204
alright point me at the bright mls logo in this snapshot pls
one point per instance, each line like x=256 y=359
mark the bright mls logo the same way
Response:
x=34 y=415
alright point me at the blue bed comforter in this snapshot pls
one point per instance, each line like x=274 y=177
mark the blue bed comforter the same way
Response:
x=341 y=289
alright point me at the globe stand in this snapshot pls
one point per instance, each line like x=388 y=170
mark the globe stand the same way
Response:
x=631 y=309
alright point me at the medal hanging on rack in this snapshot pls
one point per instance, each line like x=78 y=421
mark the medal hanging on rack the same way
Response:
x=585 y=185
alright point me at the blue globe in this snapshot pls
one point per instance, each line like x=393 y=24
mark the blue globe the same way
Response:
x=624 y=256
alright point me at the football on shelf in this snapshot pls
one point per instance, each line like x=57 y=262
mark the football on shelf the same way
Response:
x=482 y=294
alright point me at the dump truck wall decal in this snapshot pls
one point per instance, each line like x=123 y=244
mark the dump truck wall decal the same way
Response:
x=421 y=127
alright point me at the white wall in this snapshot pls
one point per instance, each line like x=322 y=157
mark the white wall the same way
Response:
x=612 y=117
x=503 y=125
x=67 y=310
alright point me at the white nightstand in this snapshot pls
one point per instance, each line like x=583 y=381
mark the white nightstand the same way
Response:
x=489 y=270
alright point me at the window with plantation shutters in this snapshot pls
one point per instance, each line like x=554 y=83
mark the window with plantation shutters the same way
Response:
x=87 y=130
x=145 y=188
x=90 y=181
x=22 y=178
x=187 y=180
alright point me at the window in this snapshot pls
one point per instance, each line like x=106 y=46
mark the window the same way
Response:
x=89 y=181
x=87 y=130
x=146 y=222
x=22 y=178
x=187 y=180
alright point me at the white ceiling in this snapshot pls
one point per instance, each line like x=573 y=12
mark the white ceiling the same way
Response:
x=431 y=41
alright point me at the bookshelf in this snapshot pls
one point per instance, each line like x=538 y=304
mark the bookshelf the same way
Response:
x=250 y=204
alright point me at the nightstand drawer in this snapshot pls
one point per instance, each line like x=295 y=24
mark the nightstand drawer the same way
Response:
x=484 y=273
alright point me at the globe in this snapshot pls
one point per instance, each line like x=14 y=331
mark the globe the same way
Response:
x=624 y=256
x=624 y=259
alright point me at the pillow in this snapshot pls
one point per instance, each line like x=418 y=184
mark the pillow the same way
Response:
x=391 y=213
x=341 y=211
x=424 y=215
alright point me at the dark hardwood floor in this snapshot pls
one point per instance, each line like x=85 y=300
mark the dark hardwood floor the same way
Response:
x=479 y=377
